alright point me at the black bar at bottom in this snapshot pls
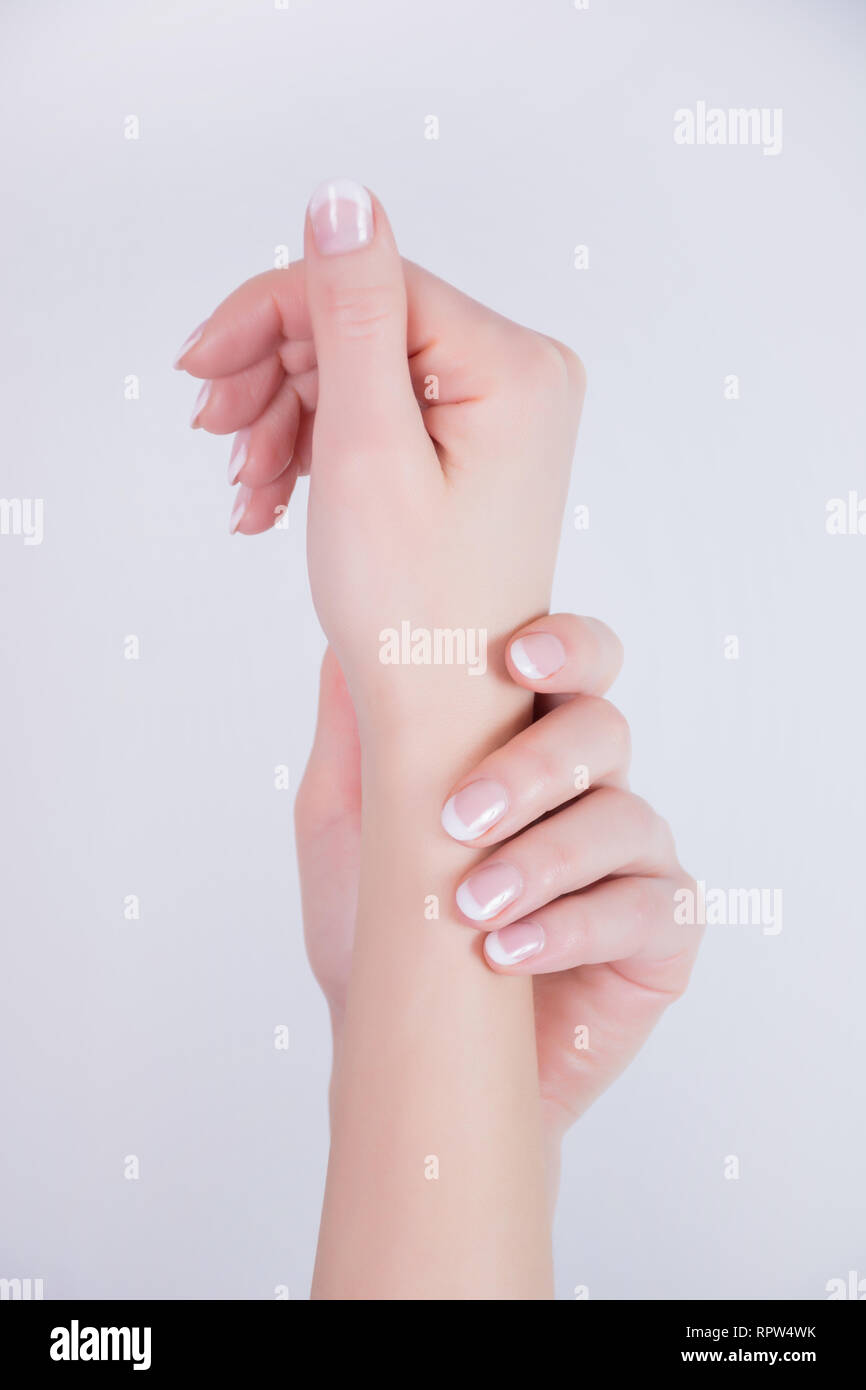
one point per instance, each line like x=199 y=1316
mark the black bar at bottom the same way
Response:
x=219 y=1339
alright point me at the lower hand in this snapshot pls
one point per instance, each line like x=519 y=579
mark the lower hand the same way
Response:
x=593 y=919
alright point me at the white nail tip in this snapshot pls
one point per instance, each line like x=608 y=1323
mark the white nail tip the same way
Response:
x=476 y=911
x=237 y=463
x=201 y=401
x=496 y=953
x=493 y=949
x=238 y=511
x=341 y=190
x=523 y=662
x=190 y=342
x=456 y=828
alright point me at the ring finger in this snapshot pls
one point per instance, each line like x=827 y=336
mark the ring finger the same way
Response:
x=608 y=832
x=622 y=919
x=263 y=450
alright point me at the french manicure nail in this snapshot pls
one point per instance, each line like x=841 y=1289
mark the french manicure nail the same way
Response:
x=515 y=943
x=238 y=456
x=242 y=501
x=472 y=810
x=488 y=890
x=201 y=401
x=190 y=342
x=341 y=216
x=538 y=655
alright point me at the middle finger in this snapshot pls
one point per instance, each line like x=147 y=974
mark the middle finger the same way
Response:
x=578 y=745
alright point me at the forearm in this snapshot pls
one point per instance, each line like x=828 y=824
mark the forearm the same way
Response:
x=436 y=1183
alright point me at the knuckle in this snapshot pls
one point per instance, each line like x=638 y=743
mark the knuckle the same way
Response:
x=538 y=769
x=598 y=645
x=615 y=803
x=581 y=930
x=616 y=650
x=678 y=969
x=617 y=733
x=645 y=826
x=361 y=311
x=574 y=368
x=640 y=903
x=683 y=883
x=678 y=981
x=559 y=860
x=664 y=837
x=656 y=834
x=541 y=367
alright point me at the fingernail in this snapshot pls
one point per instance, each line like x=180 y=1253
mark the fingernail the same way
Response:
x=190 y=342
x=201 y=401
x=515 y=943
x=238 y=456
x=486 y=892
x=472 y=810
x=242 y=501
x=341 y=216
x=537 y=655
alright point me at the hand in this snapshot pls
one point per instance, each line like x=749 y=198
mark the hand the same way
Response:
x=594 y=920
x=428 y=470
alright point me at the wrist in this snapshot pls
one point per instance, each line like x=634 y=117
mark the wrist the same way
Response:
x=437 y=725
x=417 y=687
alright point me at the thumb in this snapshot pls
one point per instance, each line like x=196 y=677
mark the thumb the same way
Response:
x=357 y=301
x=331 y=785
x=328 y=835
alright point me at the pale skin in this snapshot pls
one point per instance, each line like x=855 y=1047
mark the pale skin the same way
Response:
x=453 y=1084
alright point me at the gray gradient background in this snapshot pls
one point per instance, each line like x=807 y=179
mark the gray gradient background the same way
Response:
x=707 y=519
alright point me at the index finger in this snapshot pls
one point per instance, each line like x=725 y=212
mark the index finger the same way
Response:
x=270 y=310
x=562 y=653
x=249 y=324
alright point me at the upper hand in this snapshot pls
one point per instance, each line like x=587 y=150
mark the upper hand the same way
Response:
x=437 y=434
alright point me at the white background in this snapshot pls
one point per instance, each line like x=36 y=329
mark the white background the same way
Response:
x=707 y=520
